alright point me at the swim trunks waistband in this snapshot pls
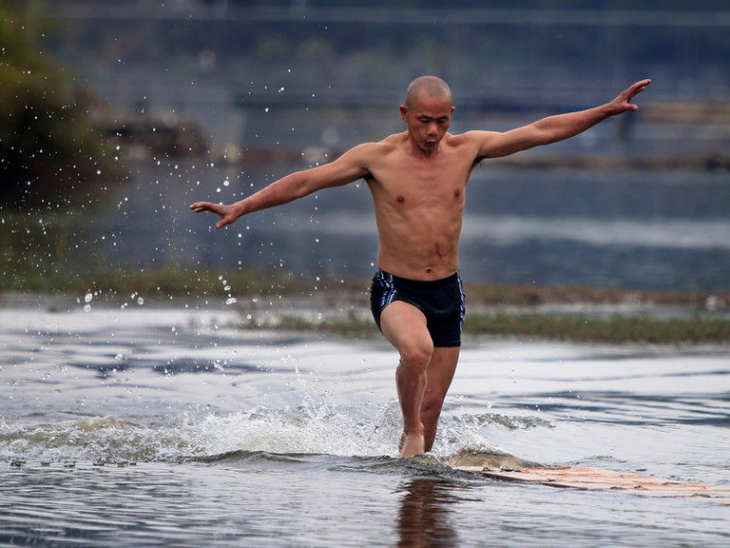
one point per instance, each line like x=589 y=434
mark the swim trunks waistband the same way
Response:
x=422 y=283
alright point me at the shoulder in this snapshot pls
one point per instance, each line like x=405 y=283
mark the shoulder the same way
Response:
x=471 y=144
x=475 y=137
x=371 y=152
x=482 y=144
x=374 y=148
x=390 y=144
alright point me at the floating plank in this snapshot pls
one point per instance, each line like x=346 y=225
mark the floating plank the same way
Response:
x=609 y=480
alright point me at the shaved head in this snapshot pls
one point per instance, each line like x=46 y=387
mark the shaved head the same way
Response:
x=431 y=85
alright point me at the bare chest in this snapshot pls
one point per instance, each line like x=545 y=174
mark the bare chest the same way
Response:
x=407 y=184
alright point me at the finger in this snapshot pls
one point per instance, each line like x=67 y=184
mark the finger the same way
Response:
x=203 y=206
x=638 y=87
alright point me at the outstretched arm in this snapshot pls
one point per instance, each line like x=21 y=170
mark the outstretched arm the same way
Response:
x=346 y=169
x=555 y=128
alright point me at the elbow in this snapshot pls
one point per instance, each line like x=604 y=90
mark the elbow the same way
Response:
x=302 y=185
x=290 y=188
x=546 y=136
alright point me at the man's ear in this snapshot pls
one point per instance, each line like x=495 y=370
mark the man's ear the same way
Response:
x=403 y=112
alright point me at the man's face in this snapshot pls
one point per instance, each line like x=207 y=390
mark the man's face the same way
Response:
x=428 y=120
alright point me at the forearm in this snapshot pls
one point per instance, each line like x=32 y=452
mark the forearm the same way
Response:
x=563 y=126
x=344 y=170
x=280 y=192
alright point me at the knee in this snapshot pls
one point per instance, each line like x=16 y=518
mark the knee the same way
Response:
x=416 y=357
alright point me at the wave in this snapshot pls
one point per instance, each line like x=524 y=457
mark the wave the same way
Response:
x=260 y=433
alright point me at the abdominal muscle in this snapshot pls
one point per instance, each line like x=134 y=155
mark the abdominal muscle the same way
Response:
x=421 y=250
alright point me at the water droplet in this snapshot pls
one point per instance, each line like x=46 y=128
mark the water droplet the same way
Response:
x=88 y=298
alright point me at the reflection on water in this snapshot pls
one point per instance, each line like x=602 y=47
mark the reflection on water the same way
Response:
x=423 y=521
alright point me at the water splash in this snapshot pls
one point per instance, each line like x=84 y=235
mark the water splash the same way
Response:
x=308 y=429
x=108 y=440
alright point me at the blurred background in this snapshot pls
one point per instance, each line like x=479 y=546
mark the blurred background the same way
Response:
x=116 y=115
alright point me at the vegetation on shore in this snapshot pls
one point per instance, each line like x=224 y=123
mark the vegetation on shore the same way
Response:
x=156 y=284
x=268 y=300
x=49 y=150
x=615 y=329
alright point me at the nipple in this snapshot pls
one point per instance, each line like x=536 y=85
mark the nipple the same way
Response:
x=401 y=199
x=457 y=193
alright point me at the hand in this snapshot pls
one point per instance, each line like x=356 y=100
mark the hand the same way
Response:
x=227 y=213
x=623 y=103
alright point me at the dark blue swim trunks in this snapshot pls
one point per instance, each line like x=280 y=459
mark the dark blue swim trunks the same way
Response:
x=441 y=301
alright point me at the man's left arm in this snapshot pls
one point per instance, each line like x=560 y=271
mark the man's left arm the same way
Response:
x=556 y=128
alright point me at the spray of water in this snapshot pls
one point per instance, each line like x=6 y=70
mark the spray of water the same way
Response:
x=310 y=428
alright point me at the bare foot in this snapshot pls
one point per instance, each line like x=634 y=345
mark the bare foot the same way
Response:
x=412 y=444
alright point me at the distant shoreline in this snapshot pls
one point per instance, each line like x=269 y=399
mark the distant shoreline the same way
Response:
x=575 y=314
x=330 y=308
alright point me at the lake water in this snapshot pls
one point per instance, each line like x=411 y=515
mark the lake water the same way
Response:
x=638 y=229
x=141 y=426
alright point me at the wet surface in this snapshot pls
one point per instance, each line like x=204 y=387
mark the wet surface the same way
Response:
x=149 y=426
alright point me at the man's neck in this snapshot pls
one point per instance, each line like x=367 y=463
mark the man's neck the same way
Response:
x=420 y=153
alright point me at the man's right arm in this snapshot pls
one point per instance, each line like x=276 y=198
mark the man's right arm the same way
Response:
x=348 y=168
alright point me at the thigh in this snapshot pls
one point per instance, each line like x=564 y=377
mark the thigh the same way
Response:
x=405 y=327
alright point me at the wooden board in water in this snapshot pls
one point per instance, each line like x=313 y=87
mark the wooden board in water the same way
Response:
x=598 y=478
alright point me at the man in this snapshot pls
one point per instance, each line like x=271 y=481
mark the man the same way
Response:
x=418 y=182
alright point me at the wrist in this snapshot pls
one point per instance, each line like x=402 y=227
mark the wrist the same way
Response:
x=240 y=208
x=610 y=109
